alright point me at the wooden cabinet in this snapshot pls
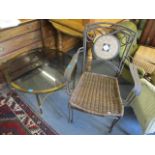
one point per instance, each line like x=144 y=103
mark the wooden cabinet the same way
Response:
x=148 y=35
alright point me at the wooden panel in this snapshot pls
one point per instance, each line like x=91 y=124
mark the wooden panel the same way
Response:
x=48 y=35
x=52 y=40
x=148 y=36
x=146 y=31
x=19 y=30
x=19 y=51
x=152 y=34
x=48 y=31
x=50 y=43
x=19 y=42
x=69 y=42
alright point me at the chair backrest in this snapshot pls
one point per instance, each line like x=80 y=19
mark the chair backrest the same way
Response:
x=103 y=42
x=72 y=65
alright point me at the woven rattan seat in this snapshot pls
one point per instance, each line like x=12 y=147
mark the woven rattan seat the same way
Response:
x=97 y=94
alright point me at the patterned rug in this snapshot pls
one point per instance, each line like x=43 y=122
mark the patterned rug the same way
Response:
x=17 y=118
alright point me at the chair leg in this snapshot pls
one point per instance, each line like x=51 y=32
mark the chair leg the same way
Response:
x=39 y=102
x=70 y=118
x=114 y=123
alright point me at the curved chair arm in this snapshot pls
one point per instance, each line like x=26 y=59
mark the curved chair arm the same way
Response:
x=136 y=90
x=72 y=65
x=140 y=70
x=135 y=76
x=68 y=74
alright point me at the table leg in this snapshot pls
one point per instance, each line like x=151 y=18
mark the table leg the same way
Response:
x=39 y=102
x=70 y=119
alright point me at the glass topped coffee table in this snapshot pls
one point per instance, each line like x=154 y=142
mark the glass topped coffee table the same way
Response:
x=34 y=72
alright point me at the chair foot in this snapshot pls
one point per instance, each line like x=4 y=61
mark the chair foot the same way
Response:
x=70 y=118
x=113 y=124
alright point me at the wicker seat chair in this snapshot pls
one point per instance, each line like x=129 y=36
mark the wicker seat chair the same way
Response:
x=97 y=93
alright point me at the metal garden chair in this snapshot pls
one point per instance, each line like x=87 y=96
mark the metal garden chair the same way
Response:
x=96 y=93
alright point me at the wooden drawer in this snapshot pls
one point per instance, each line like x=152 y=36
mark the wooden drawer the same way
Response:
x=19 y=30
x=19 y=42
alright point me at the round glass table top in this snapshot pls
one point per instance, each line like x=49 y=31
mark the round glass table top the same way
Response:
x=33 y=72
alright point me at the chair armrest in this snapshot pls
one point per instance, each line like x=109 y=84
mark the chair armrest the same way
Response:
x=135 y=77
x=72 y=65
x=136 y=90
x=141 y=72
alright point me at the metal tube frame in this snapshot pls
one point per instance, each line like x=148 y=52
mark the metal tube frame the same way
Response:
x=70 y=109
x=116 y=27
x=114 y=123
x=39 y=102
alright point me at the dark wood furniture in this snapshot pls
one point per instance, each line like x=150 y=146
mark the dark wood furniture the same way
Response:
x=148 y=35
